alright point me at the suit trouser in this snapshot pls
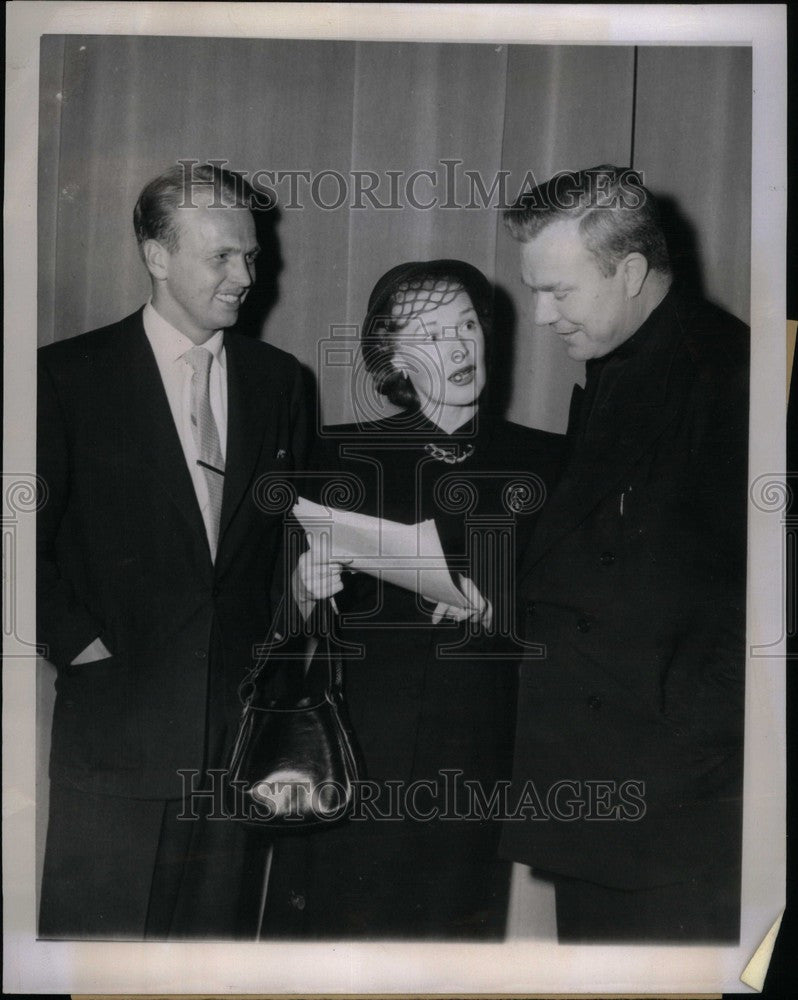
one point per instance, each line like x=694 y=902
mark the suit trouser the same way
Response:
x=122 y=868
x=129 y=869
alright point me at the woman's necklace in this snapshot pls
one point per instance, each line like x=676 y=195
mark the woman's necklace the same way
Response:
x=449 y=455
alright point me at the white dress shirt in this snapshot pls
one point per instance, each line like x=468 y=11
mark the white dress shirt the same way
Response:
x=170 y=346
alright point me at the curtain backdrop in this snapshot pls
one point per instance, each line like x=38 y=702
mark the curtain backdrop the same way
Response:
x=116 y=110
x=436 y=121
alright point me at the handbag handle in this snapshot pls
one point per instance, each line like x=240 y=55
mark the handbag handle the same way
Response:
x=325 y=615
x=322 y=624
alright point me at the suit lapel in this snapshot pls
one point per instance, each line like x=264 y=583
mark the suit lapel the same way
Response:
x=151 y=427
x=153 y=441
x=250 y=400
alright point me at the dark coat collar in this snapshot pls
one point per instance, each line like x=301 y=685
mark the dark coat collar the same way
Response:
x=645 y=401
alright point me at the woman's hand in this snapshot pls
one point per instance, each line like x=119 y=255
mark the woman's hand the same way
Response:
x=480 y=612
x=316 y=577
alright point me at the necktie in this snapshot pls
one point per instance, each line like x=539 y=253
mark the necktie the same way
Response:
x=206 y=436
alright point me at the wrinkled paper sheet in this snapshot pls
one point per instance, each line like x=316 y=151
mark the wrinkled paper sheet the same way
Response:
x=406 y=555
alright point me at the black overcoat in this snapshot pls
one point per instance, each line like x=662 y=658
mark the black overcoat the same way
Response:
x=634 y=581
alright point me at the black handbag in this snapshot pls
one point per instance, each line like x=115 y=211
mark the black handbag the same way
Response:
x=295 y=762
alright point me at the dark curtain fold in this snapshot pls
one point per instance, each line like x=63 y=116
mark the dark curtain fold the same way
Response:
x=115 y=110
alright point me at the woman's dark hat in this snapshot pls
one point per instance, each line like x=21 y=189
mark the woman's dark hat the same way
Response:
x=469 y=276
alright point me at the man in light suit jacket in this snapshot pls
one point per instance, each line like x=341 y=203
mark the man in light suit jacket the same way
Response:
x=630 y=726
x=156 y=575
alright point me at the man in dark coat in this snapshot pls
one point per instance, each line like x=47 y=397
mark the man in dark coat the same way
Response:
x=630 y=725
x=155 y=576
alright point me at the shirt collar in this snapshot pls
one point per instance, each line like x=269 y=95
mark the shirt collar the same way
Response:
x=169 y=344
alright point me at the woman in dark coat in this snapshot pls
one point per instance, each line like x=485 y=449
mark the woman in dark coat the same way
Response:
x=430 y=691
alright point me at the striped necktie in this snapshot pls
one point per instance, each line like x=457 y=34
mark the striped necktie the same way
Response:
x=206 y=436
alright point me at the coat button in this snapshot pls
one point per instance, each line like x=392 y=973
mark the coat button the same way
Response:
x=607 y=558
x=583 y=625
x=200 y=654
x=530 y=607
x=594 y=702
x=297 y=900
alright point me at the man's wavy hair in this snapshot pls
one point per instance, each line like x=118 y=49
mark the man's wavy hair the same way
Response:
x=378 y=342
x=617 y=215
x=154 y=216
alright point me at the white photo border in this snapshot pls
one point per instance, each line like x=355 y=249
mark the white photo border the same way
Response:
x=520 y=967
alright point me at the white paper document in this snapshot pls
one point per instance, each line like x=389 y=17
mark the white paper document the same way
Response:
x=406 y=555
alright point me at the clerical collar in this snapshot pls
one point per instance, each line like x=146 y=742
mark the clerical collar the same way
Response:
x=632 y=345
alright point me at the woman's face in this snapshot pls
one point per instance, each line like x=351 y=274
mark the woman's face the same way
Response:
x=442 y=351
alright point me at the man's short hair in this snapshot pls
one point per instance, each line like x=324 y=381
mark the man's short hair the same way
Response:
x=617 y=214
x=154 y=215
